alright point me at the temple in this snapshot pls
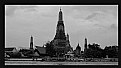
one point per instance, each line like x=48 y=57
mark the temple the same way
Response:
x=61 y=41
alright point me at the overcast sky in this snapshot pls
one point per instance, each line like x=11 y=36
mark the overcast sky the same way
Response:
x=99 y=24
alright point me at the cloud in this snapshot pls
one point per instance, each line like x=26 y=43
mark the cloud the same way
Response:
x=48 y=15
x=113 y=27
x=98 y=25
x=106 y=28
x=10 y=10
x=91 y=16
x=94 y=14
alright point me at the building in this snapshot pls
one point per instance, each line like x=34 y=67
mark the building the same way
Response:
x=70 y=54
x=61 y=41
x=85 y=45
x=31 y=42
x=10 y=50
x=41 y=51
x=27 y=52
x=78 y=50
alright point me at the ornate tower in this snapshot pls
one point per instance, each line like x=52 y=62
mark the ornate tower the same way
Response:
x=67 y=38
x=78 y=50
x=61 y=41
x=31 y=43
x=78 y=47
x=85 y=45
x=60 y=32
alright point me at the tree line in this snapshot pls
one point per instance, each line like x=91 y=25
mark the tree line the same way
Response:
x=95 y=51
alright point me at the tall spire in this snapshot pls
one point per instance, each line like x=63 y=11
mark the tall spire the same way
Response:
x=60 y=31
x=31 y=42
x=85 y=45
x=78 y=44
x=67 y=38
x=85 y=40
x=60 y=15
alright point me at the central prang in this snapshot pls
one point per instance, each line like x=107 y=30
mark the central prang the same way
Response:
x=60 y=43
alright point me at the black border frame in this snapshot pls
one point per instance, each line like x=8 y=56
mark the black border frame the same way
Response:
x=51 y=2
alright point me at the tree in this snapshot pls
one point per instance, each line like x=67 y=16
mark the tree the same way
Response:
x=50 y=49
x=94 y=51
x=111 y=51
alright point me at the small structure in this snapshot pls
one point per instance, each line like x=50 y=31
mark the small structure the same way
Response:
x=10 y=50
x=77 y=51
x=41 y=51
x=27 y=52
x=69 y=55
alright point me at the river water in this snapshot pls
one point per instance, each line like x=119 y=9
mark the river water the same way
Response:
x=57 y=63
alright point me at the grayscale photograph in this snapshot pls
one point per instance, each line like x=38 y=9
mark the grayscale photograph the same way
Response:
x=61 y=35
